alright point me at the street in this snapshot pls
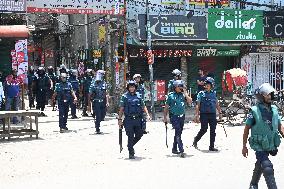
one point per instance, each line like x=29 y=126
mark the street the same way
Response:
x=81 y=159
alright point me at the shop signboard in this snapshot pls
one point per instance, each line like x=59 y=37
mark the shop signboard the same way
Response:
x=209 y=2
x=109 y=7
x=235 y=25
x=274 y=24
x=18 y=6
x=173 y=27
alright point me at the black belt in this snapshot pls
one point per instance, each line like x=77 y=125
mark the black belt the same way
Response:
x=133 y=116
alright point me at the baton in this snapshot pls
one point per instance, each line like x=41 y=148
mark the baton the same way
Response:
x=222 y=125
x=166 y=125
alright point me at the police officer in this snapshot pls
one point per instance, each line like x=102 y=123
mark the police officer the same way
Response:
x=64 y=93
x=42 y=85
x=175 y=104
x=75 y=86
x=265 y=125
x=85 y=86
x=141 y=92
x=207 y=104
x=31 y=90
x=98 y=94
x=177 y=76
x=132 y=105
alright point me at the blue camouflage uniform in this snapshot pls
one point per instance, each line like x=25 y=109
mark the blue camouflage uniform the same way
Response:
x=208 y=104
x=171 y=86
x=75 y=86
x=133 y=106
x=64 y=97
x=176 y=102
x=98 y=92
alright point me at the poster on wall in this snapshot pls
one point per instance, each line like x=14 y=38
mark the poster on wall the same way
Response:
x=21 y=49
x=109 y=7
x=14 y=60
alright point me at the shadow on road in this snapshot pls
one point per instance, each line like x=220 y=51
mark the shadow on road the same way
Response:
x=178 y=156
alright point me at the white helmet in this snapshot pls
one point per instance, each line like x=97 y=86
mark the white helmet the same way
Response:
x=136 y=75
x=176 y=72
x=265 y=89
x=64 y=75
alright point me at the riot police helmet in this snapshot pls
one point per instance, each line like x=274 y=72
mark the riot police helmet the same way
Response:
x=131 y=83
x=264 y=90
x=73 y=72
x=178 y=83
x=209 y=80
x=136 y=76
x=176 y=72
x=40 y=70
x=100 y=75
x=50 y=69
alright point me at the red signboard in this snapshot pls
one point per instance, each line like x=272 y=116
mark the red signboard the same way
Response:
x=161 y=89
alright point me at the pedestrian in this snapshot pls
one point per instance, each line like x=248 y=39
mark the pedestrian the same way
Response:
x=100 y=98
x=42 y=84
x=64 y=93
x=31 y=89
x=265 y=125
x=53 y=78
x=206 y=106
x=175 y=105
x=13 y=87
x=75 y=86
x=132 y=105
x=141 y=92
x=177 y=76
x=84 y=90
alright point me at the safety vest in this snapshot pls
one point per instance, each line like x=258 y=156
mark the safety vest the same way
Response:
x=264 y=137
x=99 y=90
x=74 y=82
x=208 y=102
x=133 y=105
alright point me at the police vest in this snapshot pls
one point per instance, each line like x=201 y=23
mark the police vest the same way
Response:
x=208 y=102
x=264 y=136
x=99 y=90
x=64 y=93
x=75 y=83
x=133 y=105
x=42 y=83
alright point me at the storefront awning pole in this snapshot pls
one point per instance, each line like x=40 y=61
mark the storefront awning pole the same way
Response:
x=150 y=64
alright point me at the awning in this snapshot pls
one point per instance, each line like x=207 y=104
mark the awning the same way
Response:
x=14 y=31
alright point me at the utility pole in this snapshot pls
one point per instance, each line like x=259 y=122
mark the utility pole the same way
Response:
x=125 y=42
x=150 y=60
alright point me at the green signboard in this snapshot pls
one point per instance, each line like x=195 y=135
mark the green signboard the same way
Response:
x=235 y=25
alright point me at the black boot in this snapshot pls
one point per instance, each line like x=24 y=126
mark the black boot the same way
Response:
x=257 y=172
x=195 y=143
x=268 y=174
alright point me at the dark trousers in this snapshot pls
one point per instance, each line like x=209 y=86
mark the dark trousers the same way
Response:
x=206 y=119
x=31 y=99
x=63 y=114
x=85 y=102
x=134 y=132
x=40 y=100
x=73 y=106
x=178 y=123
x=99 y=111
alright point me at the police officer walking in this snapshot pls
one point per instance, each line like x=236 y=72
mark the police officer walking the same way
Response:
x=75 y=86
x=98 y=94
x=132 y=105
x=141 y=92
x=265 y=125
x=42 y=85
x=85 y=86
x=207 y=104
x=177 y=76
x=175 y=104
x=64 y=93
